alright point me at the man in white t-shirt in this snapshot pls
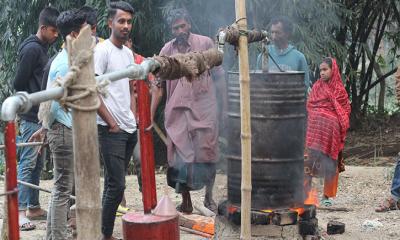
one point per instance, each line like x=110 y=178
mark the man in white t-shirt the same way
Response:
x=116 y=115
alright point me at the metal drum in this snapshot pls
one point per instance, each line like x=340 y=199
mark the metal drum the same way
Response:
x=278 y=118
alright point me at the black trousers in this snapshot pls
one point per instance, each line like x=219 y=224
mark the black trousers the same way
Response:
x=115 y=151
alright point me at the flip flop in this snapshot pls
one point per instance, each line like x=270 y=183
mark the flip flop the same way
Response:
x=121 y=211
x=25 y=224
x=326 y=202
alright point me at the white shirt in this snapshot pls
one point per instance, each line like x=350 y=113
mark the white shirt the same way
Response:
x=109 y=58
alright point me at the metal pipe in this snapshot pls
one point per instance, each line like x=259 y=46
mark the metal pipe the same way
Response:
x=221 y=37
x=28 y=144
x=11 y=182
x=10 y=107
x=134 y=71
x=30 y=185
x=22 y=101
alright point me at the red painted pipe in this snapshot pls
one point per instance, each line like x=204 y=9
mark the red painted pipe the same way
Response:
x=146 y=148
x=11 y=180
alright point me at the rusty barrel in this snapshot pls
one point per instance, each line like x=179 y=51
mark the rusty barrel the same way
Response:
x=142 y=226
x=278 y=118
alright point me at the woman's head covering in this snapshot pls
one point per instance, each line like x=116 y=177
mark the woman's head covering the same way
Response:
x=330 y=96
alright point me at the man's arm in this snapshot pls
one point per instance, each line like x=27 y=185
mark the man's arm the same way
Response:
x=304 y=67
x=156 y=96
x=107 y=117
x=27 y=60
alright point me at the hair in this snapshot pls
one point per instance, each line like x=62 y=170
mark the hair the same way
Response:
x=328 y=61
x=70 y=21
x=176 y=14
x=48 y=17
x=90 y=14
x=287 y=25
x=121 y=5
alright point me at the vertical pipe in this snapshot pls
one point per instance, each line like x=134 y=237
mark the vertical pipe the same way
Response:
x=245 y=124
x=146 y=148
x=11 y=180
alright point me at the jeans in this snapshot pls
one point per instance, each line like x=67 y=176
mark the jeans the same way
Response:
x=29 y=167
x=395 y=191
x=115 y=151
x=60 y=141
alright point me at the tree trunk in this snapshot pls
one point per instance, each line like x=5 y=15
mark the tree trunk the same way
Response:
x=85 y=143
x=382 y=91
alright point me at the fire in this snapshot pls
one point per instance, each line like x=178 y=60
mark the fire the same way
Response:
x=298 y=210
x=312 y=198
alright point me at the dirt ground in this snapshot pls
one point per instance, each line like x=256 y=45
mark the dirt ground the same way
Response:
x=360 y=190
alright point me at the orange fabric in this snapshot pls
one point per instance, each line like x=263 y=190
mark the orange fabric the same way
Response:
x=331 y=185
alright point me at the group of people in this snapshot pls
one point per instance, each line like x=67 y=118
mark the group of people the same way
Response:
x=192 y=113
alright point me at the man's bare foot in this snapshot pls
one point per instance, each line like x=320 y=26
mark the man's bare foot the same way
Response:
x=210 y=204
x=36 y=214
x=186 y=205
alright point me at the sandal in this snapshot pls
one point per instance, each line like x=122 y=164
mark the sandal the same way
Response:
x=326 y=202
x=388 y=204
x=25 y=224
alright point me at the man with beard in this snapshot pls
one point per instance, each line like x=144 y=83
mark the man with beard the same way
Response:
x=116 y=119
x=191 y=117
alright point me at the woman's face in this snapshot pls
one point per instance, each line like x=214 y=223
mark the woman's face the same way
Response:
x=325 y=72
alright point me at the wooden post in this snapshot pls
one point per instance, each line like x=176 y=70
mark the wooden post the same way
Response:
x=245 y=232
x=85 y=143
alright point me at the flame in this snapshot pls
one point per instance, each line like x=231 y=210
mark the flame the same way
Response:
x=267 y=210
x=298 y=210
x=312 y=198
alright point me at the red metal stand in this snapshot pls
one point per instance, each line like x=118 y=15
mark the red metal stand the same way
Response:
x=146 y=148
x=11 y=180
x=150 y=227
x=147 y=226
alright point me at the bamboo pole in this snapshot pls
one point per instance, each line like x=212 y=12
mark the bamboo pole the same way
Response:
x=85 y=143
x=244 y=77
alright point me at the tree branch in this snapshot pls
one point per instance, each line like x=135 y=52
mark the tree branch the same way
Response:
x=382 y=78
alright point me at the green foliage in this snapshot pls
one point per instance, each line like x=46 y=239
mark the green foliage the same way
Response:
x=315 y=23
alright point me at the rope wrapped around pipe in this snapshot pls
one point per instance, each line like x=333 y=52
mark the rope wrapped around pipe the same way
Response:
x=233 y=33
x=189 y=65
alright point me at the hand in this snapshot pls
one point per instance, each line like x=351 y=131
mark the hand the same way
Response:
x=37 y=136
x=114 y=129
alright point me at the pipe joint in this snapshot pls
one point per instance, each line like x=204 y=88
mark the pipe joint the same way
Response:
x=10 y=107
x=26 y=102
x=221 y=37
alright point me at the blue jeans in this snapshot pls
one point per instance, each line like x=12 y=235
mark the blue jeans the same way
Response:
x=60 y=141
x=395 y=191
x=29 y=167
x=115 y=151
